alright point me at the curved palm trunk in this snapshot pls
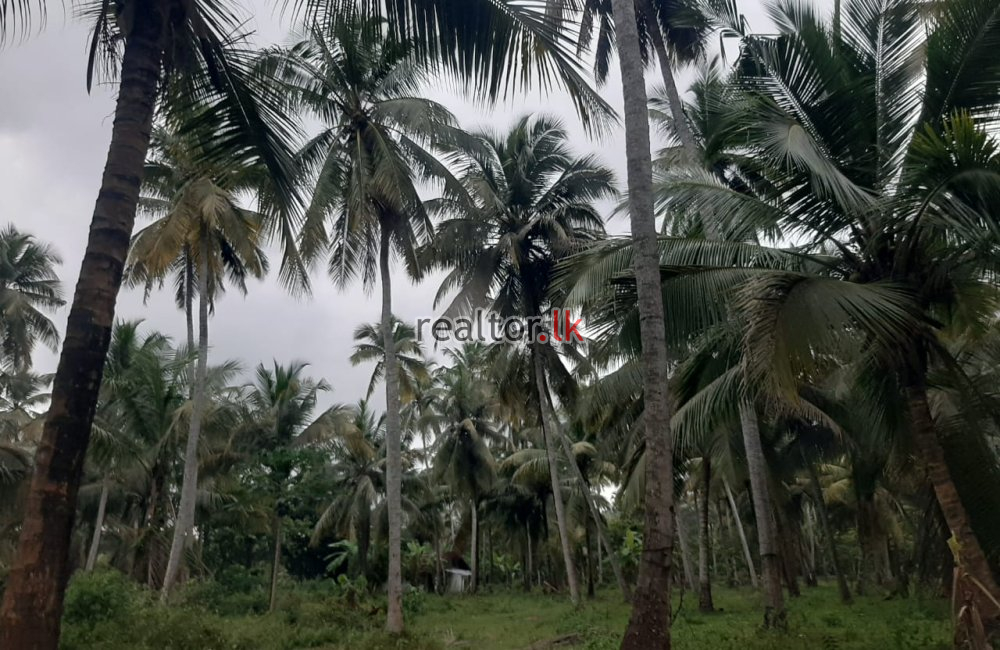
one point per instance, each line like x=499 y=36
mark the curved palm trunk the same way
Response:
x=742 y=533
x=705 y=603
x=829 y=541
x=767 y=529
x=184 y=524
x=32 y=604
x=970 y=556
x=393 y=442
x=95 y=541
x=595 y=513
x=649 y=624
x=547 y=419
x=474 y=510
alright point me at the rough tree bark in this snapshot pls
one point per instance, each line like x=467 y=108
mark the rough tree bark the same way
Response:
x=649 y=624
x=32 y=605
x=970 y=553
x=767 y=529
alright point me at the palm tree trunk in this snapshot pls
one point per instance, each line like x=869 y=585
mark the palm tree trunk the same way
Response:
x=742 y=533
x=547 y=418
x=33 y=599
x=364 y=533
x=970 y=556
x=588 y=497
x=682 y=539
x=531 y=563
x=393 y=441
x=689 y=145
x=704 y=541
x=184 y=522
x=824 y=520
x=590 y=558
x=473 y=509
x=275 y=564
x=767 y=529
x=649 y=624
x=95 y=541
x=189 y=311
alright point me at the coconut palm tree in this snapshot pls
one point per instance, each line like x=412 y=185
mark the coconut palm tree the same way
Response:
x=467 y=414
x=202 y=235
x=366 y=163
x=414 y=370
x=284 y=404
x=29 y=287
x=521 y=37
x=529 y=202
x=649 y=624
x=357 y=470
x=189 y=54
x=897 y=219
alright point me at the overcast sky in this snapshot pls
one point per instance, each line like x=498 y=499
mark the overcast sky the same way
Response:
x=53 y=142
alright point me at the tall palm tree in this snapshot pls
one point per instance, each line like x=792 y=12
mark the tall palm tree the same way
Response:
x=29 y=287
x=467 y=413
x=366 y=162
x=529 y=202
x=284 y=403
x=413 y=367
x=202 y=235
x=357 y=470
x=189 y=53
x=896 y=202
x=649 y=624
x=521 y=38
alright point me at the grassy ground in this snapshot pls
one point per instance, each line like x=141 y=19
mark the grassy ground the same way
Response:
x=816 y=620
x=106 y=612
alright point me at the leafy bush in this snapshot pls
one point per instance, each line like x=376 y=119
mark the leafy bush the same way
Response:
x=93 y=598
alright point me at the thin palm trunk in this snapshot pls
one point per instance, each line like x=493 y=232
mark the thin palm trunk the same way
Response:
x=590 y=558
x=588 y=497
x=95 y=541
x=184 y=522
x=547 y=418
x=742 y=533
x=689 y=146
x=393 y=441
x=473 y=508
x=767 y=529
x=705 y=603
x=649 y=624
x=531 y=563
x=189 y=312
x=275 y=564
x=33 y=598
x=682 y=540
x=970 y=556
x=828 y=540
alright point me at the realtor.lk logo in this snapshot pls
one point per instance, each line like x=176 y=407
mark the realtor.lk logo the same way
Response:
x=487 y=326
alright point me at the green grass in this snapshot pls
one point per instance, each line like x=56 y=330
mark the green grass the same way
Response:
x=106 y=612
x=816 y=620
